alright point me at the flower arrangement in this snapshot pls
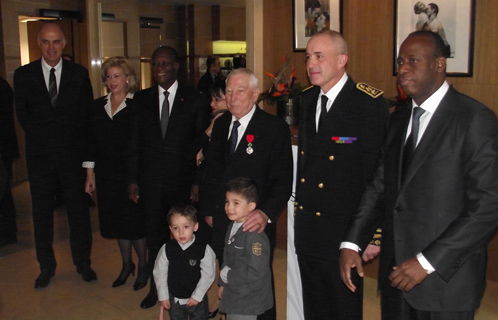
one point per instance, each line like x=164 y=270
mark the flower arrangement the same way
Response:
x=283 y=88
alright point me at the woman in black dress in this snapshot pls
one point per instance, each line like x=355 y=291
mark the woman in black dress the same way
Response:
x=111 y=122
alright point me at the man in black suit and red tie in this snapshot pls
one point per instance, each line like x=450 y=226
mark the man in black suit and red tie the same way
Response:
x=51 y=99
x=437 y=183
x=246 y=142
x=170 y=133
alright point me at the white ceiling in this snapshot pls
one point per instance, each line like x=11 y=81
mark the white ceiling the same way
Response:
x=229 y=3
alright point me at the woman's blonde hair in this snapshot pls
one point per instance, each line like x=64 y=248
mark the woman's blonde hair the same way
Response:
x=124 y=64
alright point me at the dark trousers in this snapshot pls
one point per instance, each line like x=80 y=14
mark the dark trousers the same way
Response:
x=184 y=312
x=395 y=307
x=43 y=181
x=324 y=294
x=8 y=223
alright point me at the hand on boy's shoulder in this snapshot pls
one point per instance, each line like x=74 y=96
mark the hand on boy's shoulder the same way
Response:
x=255 y=221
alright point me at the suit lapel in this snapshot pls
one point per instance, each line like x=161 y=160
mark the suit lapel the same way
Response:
x=224 y=122
x=177 y=103
x=396 y=139
x=430 y=140
x=39 y=79
x=311 y=118
x=154 y=97
x=63 y=83
x=341 y=101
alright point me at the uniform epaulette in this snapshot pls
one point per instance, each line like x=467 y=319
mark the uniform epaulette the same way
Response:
x=377 y=238
x=307 y=88
x=371 y=91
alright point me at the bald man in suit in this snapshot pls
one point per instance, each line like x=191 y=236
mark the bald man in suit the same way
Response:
x=51 y=99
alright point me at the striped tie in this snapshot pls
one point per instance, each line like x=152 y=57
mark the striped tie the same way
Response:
x=52 y=88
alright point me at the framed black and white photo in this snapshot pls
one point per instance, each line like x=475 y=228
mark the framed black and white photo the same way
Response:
x=312 y=16
x=453 y=20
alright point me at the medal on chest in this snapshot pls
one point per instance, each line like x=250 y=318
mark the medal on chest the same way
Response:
x=250 y=139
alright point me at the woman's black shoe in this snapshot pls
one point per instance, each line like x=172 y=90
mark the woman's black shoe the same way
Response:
x=142 y=278
x=123 y=276
x=213 y=314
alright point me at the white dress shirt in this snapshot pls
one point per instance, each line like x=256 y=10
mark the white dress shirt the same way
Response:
x=244 y=122
x=331 y=95
x=46 y=73
x=171 y=97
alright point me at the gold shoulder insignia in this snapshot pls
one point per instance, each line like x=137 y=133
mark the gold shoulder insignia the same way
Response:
x=371 y=91
x=307 y=88
x=257 y=248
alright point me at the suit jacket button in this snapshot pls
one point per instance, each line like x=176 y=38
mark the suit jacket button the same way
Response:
x=300 y=207
x=320 y=185
x=331 y=158
x=397 y=209
x=318 y=214
x=295 y=203
x=302 y=180
x=302 y=153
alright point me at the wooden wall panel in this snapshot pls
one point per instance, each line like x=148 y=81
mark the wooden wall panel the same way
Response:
x=278 y=43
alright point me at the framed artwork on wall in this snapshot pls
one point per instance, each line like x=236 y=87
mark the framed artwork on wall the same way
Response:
x=312 y=16
x=453 y=20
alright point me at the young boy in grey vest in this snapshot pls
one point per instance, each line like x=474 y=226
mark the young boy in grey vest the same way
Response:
x=245 y=278
x=184 y=268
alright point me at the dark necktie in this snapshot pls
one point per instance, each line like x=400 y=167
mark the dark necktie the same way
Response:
x=411 y=141
x=233 y=137
x=165 y=114
x=323 y=112
x=52 y=88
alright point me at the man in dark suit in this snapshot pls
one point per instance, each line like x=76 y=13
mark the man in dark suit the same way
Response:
x=246 y=142
x=51 y=99
x=171 y=124
x=438 y=183
x=211 y=76
x=9 y=152
x=340 y=132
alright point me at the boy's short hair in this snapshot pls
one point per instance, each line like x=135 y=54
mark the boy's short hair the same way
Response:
x=245 y=187
x=186 y=210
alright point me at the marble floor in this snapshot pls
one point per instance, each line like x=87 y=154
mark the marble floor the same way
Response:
x=69 y=297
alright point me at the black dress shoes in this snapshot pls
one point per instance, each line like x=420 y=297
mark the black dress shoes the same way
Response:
x=142 y=278
x=123 y=275
x=213 y=314
x=86 y=272
x=149 y=301
x=139 y=285
x=43 y=279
